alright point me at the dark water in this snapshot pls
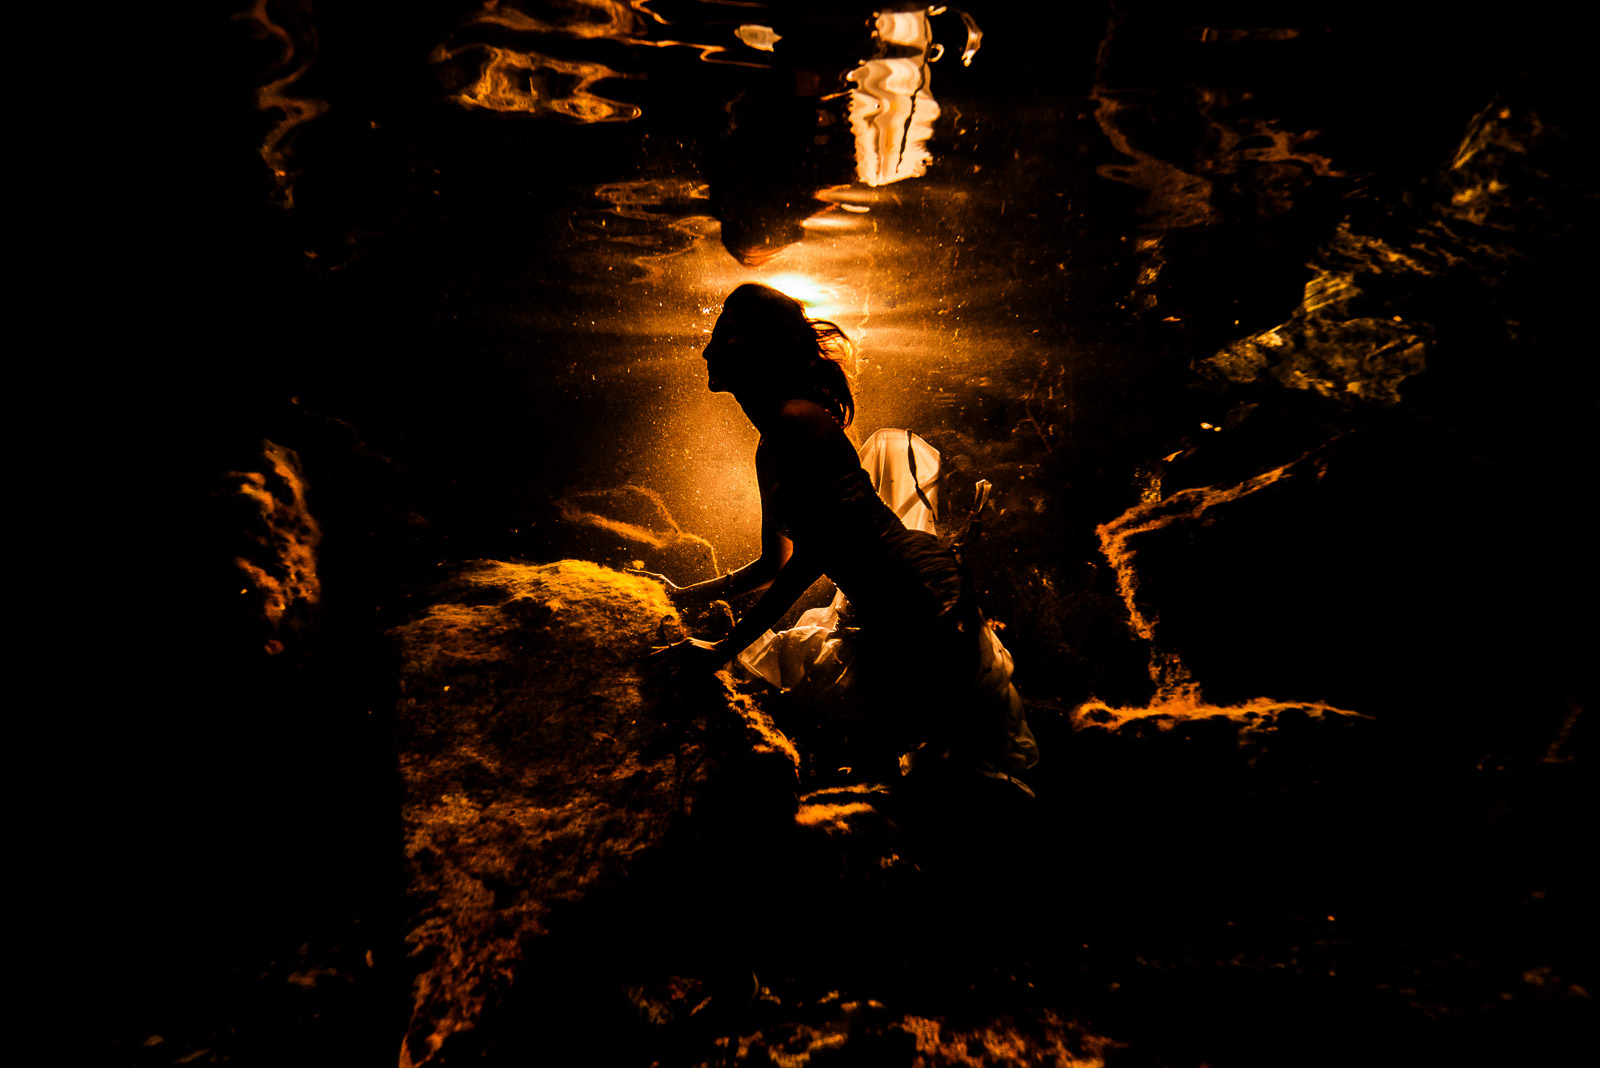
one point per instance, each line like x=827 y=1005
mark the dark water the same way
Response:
x=492 y=239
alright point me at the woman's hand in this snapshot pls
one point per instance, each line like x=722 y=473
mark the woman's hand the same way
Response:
x=691 y=654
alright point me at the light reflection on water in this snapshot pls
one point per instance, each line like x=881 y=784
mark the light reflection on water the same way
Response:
x=580 y=18
x=512 y=80
x=807 y=142
x=905 y=269
x=511 y=60
x=926 y=338
x=891 y=105
x=892 y=109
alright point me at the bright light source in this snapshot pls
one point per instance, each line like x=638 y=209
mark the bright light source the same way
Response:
x=821 y=301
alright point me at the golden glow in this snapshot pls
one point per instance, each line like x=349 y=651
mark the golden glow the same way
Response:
x=820 y=300
x=702 y=462
x=891 y=108
x=868 y=270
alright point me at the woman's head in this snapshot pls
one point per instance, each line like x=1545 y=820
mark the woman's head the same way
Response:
x=763 y=343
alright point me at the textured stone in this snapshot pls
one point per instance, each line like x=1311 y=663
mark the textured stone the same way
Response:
x=629 y=526
x=868 y=1032
x=276 y=547
x=1349 y=576
x=541 y=760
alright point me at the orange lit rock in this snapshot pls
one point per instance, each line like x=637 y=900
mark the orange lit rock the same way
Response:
x=1252 y=721
x=276 y=550
x=630 y=525
x=1383 y=572
x=869 y=1032
x=542 y=761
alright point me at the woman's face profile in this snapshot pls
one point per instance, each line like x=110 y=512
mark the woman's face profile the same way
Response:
x=753 y=319
x=722 y=354
x=717 y=355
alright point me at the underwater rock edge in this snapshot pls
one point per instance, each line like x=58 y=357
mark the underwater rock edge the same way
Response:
x=541 y=759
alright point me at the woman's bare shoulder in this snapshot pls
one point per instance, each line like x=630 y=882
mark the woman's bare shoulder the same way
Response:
x=806 y=419
x=804 y=428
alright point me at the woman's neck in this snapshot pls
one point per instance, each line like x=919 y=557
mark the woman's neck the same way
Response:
x=761 y=410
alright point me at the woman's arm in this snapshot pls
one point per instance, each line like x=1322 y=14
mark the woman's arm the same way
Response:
x=758 y=574
x=778 y=570
x=793 y=580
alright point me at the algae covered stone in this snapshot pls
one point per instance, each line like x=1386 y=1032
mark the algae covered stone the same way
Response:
x=540 y=756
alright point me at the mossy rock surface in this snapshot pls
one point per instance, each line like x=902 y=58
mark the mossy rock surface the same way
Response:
x=542 y=759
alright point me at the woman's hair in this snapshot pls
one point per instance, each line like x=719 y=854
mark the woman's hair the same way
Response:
x=808 y=353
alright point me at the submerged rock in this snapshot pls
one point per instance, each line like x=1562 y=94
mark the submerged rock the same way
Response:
x=869 y=1032
x=630 y=526
x=276 y=545
x=542 y=762
x=1385 y=571
x=1236 y=793
x=1463 y=284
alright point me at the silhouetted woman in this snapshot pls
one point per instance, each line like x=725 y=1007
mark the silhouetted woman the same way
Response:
x=921 y=667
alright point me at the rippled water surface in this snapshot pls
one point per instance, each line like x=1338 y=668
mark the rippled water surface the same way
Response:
x=499 y=233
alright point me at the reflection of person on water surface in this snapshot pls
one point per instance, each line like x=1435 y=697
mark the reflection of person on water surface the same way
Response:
x=923 y=670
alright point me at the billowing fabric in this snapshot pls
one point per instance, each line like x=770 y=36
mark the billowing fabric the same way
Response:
x=901 y=658
x=900 y=464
